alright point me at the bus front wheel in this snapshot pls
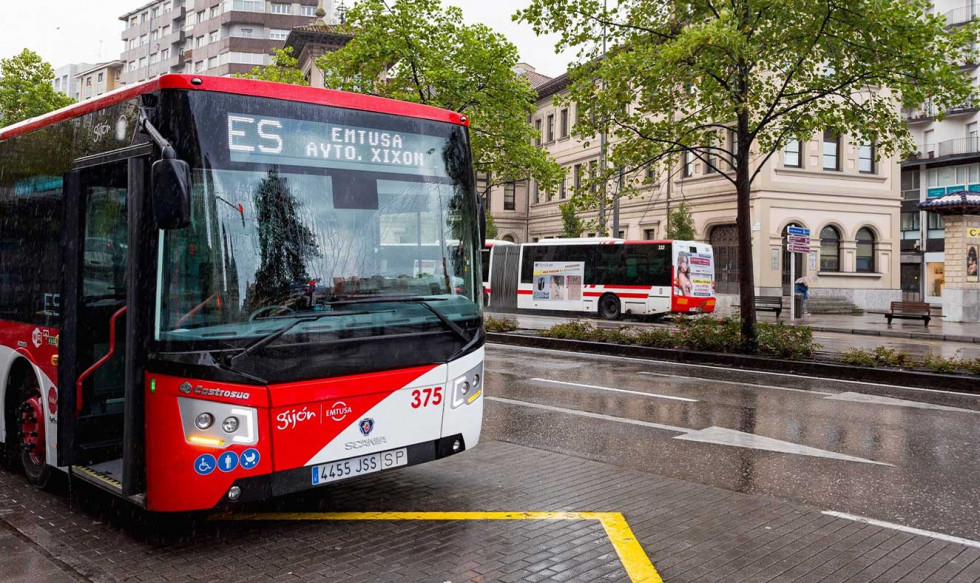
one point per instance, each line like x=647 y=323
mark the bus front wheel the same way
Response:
x=30 y=429
x=609 y=307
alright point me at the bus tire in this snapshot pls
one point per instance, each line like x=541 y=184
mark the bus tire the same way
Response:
x=610 y=307
x=29 y=429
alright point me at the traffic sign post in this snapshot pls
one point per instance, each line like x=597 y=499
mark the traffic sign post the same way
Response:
x=797 y=241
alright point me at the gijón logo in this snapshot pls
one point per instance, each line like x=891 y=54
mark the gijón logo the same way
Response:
x=290 y=419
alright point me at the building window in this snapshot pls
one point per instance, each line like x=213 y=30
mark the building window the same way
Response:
x=563 y=127
x=144 y=17
x=144 y=40
x=829 y=249
x=791 y=155
x=688 y=164
x=509 y=196
x=213 y=63
x=537 y=130
x=213 y=37
x=551 y=128
x=201 y=41
x=246 y=32
x=101 y=77
x=309 y=10
x=910 y=221
x=278 y=34
x=164 y=54
x=593 y=175
x=143 y=63
x=649 y=234
x=561 y=184
x=535 y=191
x=216 y=11
x=199 y=67
x=831 y=150
x=577 y=178
x=165 y=30
x=866 y=158
x=935 y=222
x=156 y=12
x=133 y=21
x=167 y=6
x=201 y=16
x=865 y=251
x=132 y=65
x=281 y=8
x=154 y=35
x=88 y=81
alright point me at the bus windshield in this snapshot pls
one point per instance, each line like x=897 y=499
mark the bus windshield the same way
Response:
x=303 y=211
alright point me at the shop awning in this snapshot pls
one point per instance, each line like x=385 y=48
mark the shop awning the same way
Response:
x=954 y=203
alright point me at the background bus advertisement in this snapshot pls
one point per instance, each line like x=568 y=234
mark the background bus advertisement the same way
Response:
x=694 y=274
x=558 y=281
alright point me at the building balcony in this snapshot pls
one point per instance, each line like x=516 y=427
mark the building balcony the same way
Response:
x=922 y=114
x=966 y=108
x=962 y=15
x=946 y=149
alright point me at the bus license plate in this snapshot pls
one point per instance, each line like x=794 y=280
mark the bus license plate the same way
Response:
x=366 y=464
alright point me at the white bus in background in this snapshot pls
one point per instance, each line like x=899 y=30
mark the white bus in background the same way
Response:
x=494 y=257
x=613 y=277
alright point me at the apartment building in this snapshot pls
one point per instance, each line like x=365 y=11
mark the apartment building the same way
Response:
x=850 y=201
x=208 y=37
x=64 y=79
x=946 y=160
x=98 y=80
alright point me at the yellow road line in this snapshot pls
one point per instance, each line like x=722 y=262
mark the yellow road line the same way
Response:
x=632 y=556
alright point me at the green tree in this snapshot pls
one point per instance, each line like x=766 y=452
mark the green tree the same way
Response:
x=680 y=224
x=423 y=52
x=731 y=83
x=571 y=223
x=284 y=69
x=25 y=88
x=492 y=230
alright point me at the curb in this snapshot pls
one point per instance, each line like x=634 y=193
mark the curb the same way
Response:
x=903 y=378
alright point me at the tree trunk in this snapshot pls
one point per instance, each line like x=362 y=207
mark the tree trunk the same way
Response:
x=746 y=275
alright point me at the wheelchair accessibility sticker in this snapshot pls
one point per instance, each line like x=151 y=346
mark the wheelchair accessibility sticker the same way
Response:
x=205 y=464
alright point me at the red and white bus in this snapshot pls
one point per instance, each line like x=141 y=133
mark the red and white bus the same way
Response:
x=491 y=250
x=613 y=277
x=199 y=299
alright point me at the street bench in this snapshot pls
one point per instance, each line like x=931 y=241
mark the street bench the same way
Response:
x=767 y=304
x=908 y=311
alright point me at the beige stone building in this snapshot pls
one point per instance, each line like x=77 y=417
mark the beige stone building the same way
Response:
x=98 y=80
x=849 y=200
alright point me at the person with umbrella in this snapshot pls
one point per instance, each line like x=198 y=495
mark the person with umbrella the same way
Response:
x=803 y=288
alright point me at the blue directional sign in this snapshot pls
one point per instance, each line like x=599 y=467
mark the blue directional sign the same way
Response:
x=205 y=464
x=250 y=459
x=228 y=461
x=798 y=231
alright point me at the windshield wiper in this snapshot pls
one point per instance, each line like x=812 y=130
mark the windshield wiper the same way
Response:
x=420 y=300
x=273 y=336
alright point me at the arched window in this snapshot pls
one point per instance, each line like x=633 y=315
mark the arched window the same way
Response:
x=510 y=238
x=865 y=251
x=829 y=249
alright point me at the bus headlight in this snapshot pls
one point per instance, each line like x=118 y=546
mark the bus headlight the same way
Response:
x=467 y=388
x=240 y=425
x=230 y=425
x=204 y=420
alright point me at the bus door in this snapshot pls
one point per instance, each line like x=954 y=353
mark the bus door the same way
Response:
x=96 y=331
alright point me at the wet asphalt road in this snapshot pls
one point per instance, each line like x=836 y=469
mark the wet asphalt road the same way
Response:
x=901 y=455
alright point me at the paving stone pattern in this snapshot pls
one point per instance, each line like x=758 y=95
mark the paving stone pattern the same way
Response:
x=692 y=533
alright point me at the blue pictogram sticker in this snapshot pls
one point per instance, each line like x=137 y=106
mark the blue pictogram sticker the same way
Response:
x=228 y=461
x=205 y=464
x=316 y=475
x=250 y=458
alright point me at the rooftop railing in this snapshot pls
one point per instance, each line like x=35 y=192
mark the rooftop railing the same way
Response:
x=962 y=15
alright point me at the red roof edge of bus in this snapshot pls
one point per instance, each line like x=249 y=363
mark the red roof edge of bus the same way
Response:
x=249 y=87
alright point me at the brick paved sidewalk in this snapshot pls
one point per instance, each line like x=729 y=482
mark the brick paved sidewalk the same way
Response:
x=690 y=532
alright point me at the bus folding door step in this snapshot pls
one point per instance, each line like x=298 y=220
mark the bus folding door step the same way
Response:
x=106 y=475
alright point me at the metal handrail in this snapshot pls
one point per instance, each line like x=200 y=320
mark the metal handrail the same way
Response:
x=962 y=15
x=100 y=362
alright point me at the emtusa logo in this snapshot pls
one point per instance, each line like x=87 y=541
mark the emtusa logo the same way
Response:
x=339 y=411
x=290 y=419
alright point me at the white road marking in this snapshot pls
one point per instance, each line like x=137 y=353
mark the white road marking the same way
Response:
x=715 y=435
x=590 y=415
x=758 y=372
x=677 y=376
x=722 y=436
x=878 y=400
x=653 y=395
x=903 y=528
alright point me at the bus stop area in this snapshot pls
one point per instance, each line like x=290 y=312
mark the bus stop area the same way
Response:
x=589 y=469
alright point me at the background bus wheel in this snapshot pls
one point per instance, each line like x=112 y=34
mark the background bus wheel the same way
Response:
x=30 y=425
x=609 y=307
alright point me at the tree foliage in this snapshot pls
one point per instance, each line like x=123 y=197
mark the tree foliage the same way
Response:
x=26 y=90
x=423 y=52
x=572 y=225
x=492 y=230
x=284 y=69
x=680 y=224
x=731 y=83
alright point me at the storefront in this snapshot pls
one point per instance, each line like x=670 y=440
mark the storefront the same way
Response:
x=955 y=281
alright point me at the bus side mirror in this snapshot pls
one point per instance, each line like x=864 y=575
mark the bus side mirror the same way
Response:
x=483 y=224
x=171 y=185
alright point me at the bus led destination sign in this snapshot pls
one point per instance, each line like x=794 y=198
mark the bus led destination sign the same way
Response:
x=272 y=140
